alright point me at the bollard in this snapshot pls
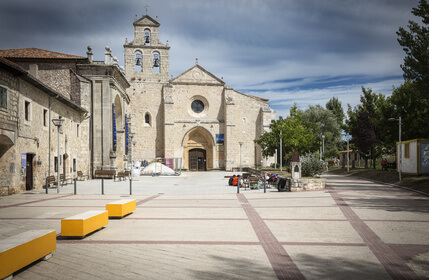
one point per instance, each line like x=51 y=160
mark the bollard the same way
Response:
x=75 y=185
x=102 y=186
x=45 y=186
x=265 y=186
x=238 y=187
x=131 y=185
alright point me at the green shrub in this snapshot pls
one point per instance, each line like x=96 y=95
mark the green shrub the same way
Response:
x=311 y=165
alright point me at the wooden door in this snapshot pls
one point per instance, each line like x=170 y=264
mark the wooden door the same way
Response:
x=197 y=160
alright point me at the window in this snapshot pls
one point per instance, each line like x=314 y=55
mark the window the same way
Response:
x=407 y=150
x=156 y=62
x=74 y=165
x=147 y=37
x=147 y=119
x=3 y=97
x=138 y=67
x=27 y=109
x=55 y=164
x=77 y=130
x=45 y=117
x=197 y=106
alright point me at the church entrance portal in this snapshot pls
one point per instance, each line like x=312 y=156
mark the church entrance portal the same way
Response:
x=197 y=160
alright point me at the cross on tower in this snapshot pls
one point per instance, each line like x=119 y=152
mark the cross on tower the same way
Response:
x=146 y=6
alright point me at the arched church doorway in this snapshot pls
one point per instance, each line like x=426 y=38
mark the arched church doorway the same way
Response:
x=197 y=160
x=198 y=149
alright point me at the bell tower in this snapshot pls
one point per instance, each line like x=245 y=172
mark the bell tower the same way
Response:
x=146 y=58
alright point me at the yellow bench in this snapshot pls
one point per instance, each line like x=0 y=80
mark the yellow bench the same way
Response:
x=121 y=207
x=84 y=223
x=25 y=248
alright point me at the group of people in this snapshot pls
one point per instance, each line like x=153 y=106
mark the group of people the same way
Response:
x=238 y=179
x=235 y=179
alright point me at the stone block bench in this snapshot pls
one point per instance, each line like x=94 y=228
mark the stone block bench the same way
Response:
x=120 y=208
x=25 y=248
x=84 y=223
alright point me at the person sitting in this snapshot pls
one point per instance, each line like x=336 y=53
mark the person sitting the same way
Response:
x=235 y=180
x=241 y=182
x=231 y=179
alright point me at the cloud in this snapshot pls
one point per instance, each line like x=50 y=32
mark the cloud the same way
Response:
x=285 y=50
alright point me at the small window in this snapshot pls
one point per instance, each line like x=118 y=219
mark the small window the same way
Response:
x=156 y=62
x=77 y=130
x=147 y=37
x=45 y=117
x=197 y=106
x=3 y=97
x=27 y=109
x=55 y=164
x=407 y=150
x=74 y=165
x=138 y=67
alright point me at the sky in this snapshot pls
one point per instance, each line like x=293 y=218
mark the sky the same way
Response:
x=288 y=51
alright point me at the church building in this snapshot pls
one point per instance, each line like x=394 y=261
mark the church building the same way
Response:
x=194 y=117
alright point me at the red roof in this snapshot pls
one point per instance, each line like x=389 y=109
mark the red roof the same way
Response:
x=36 y=53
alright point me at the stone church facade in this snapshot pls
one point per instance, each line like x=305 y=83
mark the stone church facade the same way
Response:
x=193 y=121
x=195 y=116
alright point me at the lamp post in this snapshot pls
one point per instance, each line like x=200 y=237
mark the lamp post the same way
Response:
x=58 y=123
x=241 y=144
x=131 y=134
x=348 y=151
x=323 y=147
x=281 y=151
x=400 y=144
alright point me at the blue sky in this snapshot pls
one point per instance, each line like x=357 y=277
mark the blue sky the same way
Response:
x=288 y=51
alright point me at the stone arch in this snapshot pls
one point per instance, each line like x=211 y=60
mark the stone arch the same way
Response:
x=6 y=142
x=198 y=138
x=156 y=62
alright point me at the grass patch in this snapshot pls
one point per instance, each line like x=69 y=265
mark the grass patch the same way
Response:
x=420 y=183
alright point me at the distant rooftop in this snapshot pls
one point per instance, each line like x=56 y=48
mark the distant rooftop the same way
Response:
x=36 y=53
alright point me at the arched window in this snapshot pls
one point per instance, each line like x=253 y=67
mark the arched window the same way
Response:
x=138 y=67
x=147 y=119
x=147 y=37
x=156 y=62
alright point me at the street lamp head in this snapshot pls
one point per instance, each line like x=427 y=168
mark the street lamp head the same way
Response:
x=323 y=136
x=58 y=122
x=392 y=119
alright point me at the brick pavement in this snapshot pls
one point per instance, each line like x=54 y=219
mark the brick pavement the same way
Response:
x=354 y=229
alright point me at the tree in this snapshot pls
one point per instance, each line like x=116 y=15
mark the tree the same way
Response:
x=415 y=43
x=296 y=133
x=364 y=124
x=335 y=106
x=413 y=111
x=325 y=123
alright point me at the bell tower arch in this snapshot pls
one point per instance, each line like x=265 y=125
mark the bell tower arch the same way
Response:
x=140 y=54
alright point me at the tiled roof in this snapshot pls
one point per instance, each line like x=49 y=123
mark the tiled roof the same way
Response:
x=12 y=64
x=36 y=53
x=260 y=98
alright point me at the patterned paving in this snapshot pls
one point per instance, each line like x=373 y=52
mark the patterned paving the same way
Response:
x=351 y=230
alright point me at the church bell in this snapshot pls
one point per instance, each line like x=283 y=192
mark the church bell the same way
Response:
x=138 y=61
x=156 y=62
x=146 y=39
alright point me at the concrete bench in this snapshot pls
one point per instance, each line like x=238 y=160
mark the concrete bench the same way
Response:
x=25 y=248
x=121 y=207
x=84 y=223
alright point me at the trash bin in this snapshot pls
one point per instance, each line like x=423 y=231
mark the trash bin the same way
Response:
x=284 y=184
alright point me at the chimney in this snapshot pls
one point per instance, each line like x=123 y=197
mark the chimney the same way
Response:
x=34 y=70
